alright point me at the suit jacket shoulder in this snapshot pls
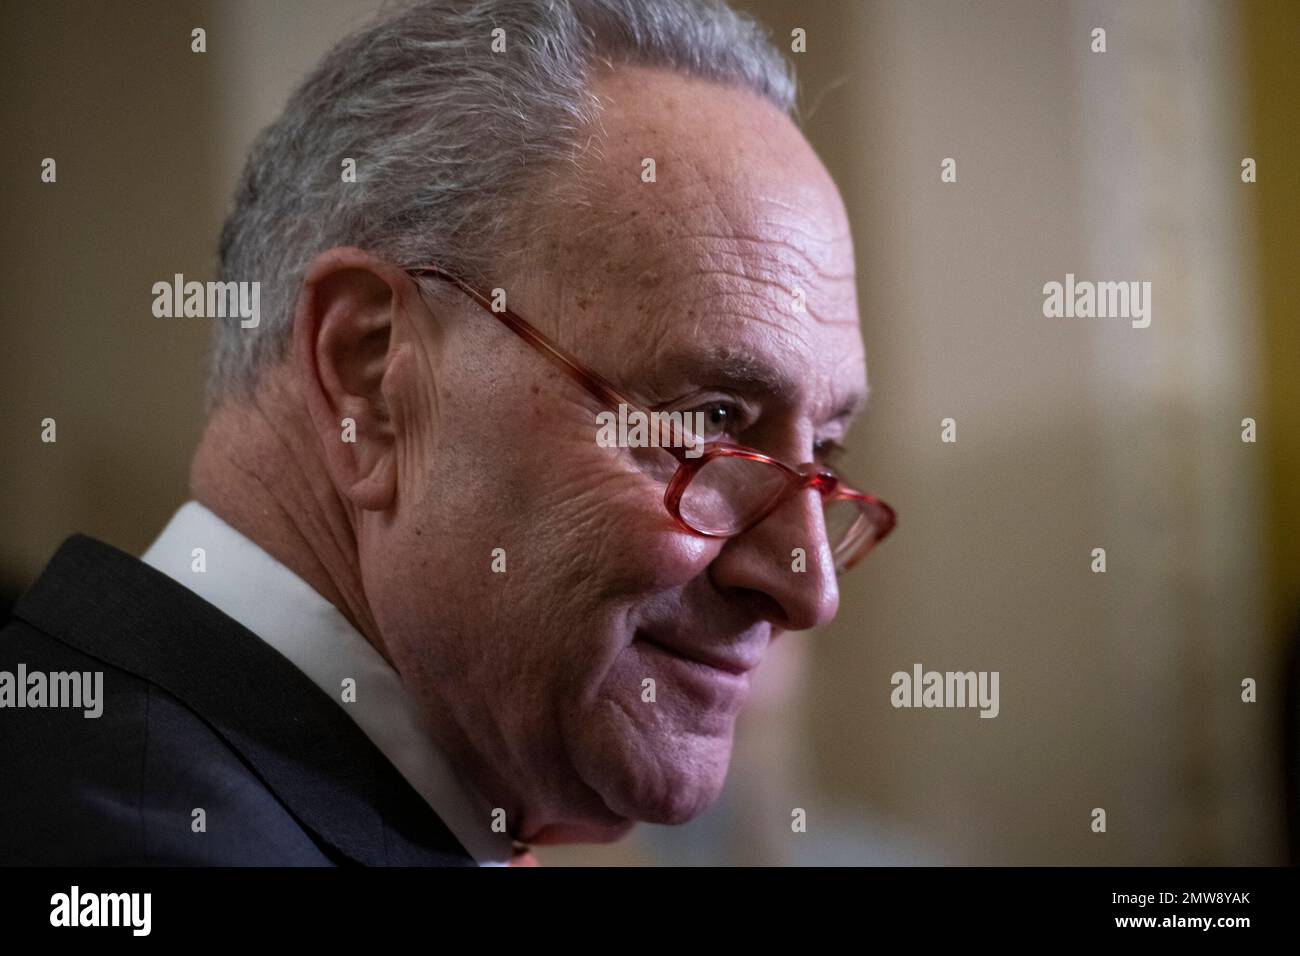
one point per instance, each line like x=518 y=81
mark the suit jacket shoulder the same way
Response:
x=145 y=782
x=210 y=748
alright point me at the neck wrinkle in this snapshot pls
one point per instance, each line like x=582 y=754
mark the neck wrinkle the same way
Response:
x=259 y=469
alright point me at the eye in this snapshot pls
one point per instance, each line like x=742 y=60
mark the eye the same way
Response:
x=721 y=418
x=827 y=451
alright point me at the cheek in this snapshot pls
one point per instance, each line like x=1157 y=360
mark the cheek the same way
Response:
x=620 y=545
x=674 y=556
x=597 y=558
x=654 y=747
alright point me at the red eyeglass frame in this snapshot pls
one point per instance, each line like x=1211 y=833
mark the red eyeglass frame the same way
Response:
x=808 y=476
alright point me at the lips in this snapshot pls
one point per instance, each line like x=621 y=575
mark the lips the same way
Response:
x=735 y=664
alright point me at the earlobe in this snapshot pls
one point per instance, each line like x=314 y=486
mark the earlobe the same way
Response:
x=343 y=335
x=377 y=489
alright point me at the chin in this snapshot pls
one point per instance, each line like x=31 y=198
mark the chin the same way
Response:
x=581 y=833
x=650 y=780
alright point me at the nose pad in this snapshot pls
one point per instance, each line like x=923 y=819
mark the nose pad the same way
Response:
x=824 y=482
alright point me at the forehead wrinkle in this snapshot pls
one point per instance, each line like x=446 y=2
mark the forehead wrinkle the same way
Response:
x=777 y=297
x=793 y=338
x=729 y=187
x=664 y=297
x=813 y=265
x=744 y=216
x=789 y=218
x=699 y=269
x=738 y=298
x=764 y=254
x=773 y=240
x=643 y=244
x=718 y=333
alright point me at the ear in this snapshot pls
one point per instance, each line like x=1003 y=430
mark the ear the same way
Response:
x=345 y=347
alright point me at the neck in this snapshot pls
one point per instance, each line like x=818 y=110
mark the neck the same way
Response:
x=260 y=469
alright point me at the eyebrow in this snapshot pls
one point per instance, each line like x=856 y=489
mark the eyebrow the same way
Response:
x=745 y=372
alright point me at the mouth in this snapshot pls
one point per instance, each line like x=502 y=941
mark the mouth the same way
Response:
x=733 y=666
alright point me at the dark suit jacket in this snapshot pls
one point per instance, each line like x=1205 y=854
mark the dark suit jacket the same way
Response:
x=198 y=712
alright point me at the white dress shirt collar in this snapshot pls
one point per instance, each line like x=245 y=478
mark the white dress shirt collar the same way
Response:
x=263 y=595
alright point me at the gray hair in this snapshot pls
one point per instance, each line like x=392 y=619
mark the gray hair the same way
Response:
x=450 y=139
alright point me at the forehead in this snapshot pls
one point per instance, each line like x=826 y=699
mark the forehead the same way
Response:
x=737 y=253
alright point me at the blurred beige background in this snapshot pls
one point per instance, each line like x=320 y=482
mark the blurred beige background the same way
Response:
x=1118 y=690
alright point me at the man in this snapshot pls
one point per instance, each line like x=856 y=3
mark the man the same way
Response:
x=416 y=613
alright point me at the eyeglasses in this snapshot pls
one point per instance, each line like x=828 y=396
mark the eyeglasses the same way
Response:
x=721 y=489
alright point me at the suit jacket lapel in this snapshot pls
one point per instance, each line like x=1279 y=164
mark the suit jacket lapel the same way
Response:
x=300 y=743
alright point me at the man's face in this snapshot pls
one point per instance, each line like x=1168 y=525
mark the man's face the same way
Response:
x=725 y=286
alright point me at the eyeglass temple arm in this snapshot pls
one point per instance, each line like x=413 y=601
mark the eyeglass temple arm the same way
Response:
x=597 y=386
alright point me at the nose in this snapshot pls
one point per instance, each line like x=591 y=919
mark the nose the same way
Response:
x=783 y=566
